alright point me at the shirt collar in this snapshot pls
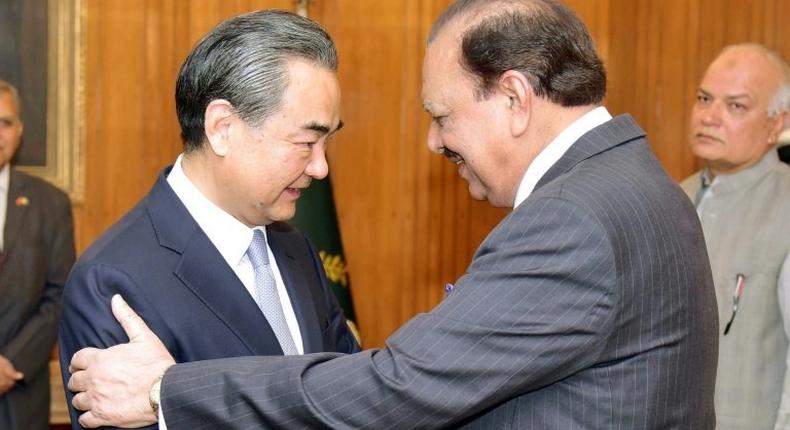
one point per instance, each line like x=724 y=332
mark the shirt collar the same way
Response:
x=5 y=176
x=230 y=236
x=557 y=148
x=742 y=180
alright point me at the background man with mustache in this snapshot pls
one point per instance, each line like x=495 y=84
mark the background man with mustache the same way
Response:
x=743 y=200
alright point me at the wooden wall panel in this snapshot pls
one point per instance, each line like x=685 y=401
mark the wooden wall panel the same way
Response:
x=408 y=223
x=133 y=52
x=659 y=52
x=406 y=218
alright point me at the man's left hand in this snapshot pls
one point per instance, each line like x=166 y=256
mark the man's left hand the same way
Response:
x=112 y=385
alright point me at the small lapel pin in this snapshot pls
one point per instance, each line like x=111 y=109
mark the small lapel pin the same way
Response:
x=22 y=201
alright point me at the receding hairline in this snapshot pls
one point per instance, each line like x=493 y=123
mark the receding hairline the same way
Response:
x=11 y=91
x=780 y=99
x=773 y=57
x=478 y=11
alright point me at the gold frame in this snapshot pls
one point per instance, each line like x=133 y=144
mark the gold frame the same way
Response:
x=65 y=165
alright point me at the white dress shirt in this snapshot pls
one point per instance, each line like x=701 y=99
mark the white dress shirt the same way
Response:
x=556 y=149
x=5 y=180
x=231 y=238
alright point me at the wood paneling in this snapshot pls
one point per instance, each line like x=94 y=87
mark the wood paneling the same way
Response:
x=659 y=52
x=133 y=53
x=407 y=222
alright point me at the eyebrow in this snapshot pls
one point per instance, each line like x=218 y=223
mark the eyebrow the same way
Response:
x=434 y=109
x=728 y=96
x=322 y=128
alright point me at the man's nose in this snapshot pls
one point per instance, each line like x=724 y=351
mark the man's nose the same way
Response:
x=318 y=167
x=710 y=114
x=434 y=141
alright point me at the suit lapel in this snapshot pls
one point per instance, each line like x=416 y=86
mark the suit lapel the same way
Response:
x=298 y=291
x=203 y=270
x=17 y=206
x=602 y=138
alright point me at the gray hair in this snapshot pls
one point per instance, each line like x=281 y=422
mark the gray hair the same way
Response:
x=244 y=60
x=781 y=99
x=542 y=39
x=7 y=88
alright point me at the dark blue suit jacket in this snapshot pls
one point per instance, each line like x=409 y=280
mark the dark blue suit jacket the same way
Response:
x=166 y=268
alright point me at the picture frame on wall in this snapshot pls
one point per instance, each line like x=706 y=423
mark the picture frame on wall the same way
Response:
x=41 y=53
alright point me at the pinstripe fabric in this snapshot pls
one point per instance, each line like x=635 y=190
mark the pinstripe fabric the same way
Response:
x=590 y=306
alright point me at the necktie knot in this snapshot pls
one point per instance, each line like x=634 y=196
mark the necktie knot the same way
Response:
x=257 y=252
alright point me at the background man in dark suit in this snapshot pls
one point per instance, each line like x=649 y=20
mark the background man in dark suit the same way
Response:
x=589 y=306
x=36 y=254
x=205 y=256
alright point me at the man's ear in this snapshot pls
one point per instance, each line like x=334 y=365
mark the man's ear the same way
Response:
x=217 y=123
x=777 y=124
x=515 y=86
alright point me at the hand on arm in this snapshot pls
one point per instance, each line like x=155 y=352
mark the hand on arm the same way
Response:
x=113 y=384
x=8 y=375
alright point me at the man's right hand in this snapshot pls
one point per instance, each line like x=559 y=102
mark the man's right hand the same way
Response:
x=112 y=385
x=9 y=376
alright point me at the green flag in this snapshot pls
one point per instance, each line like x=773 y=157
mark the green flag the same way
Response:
x=317 y=219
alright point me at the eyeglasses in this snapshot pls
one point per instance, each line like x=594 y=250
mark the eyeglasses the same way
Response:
x=740 y=283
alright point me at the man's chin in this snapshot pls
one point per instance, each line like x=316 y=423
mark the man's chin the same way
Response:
x=477 y=192
x=284 y=214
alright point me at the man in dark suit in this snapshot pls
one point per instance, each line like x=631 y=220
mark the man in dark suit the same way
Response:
x=589 y=306
x=36 y=254
x=205 y=256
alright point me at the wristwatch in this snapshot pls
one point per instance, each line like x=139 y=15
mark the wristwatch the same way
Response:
x=154 y=394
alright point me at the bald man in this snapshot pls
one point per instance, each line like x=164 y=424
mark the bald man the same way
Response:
x=741 y=199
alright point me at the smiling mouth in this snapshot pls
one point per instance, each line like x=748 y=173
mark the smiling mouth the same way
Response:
x=452 y=156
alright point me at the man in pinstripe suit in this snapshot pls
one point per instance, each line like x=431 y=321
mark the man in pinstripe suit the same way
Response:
x=589 y=306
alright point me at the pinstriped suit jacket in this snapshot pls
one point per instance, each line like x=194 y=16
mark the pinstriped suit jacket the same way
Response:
x=590 y=306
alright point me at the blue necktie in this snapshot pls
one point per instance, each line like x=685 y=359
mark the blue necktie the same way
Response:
x=266 y=295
